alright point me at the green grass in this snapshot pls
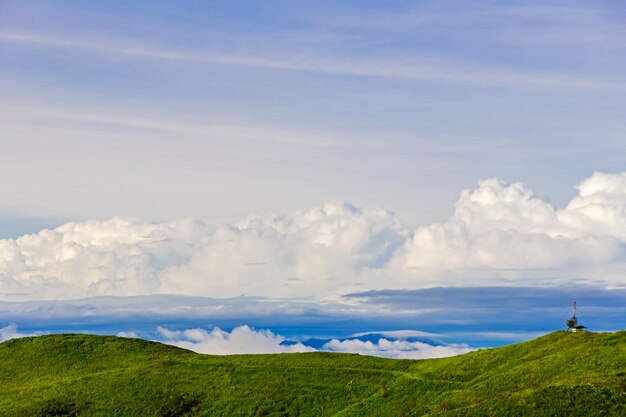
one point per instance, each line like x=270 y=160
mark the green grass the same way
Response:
x=560 y=374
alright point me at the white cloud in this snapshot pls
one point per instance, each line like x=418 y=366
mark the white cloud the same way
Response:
x=506 y=226
x=314 y=250
x=10 y=332
x=600 y=206
x=130 y=335
x=240 y=340
x=499 y=234
x=395 y=349
x=119 y=256
x=245 y=340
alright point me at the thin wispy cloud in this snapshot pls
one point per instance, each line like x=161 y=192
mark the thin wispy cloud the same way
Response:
x=402 y=68
x=244 y=133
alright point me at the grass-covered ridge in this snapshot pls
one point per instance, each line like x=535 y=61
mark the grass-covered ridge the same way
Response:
x=560 y=374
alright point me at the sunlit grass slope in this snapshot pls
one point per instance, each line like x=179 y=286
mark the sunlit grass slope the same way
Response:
x=560 y=374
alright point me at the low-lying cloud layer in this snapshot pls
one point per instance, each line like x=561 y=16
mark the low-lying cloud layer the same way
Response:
x=481 y=316
x=10 y=332
x=244 y=339
x=499 y=234
x=396 y=349
x=241 y=339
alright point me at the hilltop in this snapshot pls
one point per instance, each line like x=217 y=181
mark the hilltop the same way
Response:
x=559 y=374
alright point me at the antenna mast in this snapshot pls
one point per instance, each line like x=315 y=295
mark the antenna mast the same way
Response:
x=573 y=322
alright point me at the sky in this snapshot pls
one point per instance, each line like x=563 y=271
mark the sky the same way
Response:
x=328 y=159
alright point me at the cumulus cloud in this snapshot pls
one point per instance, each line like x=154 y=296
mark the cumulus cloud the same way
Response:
x=311 y=252
x=240 y=340
x=499 y=234
x=506 y=226
x=600 y=206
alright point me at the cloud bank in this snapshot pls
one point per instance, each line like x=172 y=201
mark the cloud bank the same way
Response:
x=243 y=340
x=499 y=234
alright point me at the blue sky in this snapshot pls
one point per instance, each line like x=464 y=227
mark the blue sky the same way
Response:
x=357 y=132
x=399 y=105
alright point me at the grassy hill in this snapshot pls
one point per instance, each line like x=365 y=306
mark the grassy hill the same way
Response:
x=560 y=374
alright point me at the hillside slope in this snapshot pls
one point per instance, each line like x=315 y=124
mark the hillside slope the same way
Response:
x=560 y=374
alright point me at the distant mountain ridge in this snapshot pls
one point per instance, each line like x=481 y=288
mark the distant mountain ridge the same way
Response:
x=374 y=337
x=560 y=374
